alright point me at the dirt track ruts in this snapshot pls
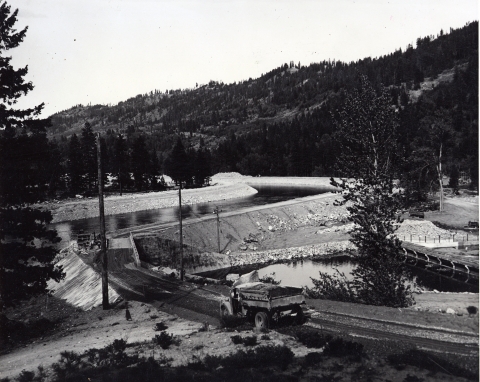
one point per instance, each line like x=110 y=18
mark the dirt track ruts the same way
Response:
x=436 y=345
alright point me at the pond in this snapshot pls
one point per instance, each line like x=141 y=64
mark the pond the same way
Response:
x=266 y=195
x=299 y=274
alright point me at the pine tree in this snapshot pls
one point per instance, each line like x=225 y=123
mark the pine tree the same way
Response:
x=74 y=165
x=120 y=163
x=154 y=170
x=89 y=157
x=140 y=163
x=201 y=166
x=177 y=163
x=26 y=243
x=369 y=161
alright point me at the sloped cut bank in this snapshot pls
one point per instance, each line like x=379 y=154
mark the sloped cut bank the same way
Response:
x=160 y=252
x=82 y=286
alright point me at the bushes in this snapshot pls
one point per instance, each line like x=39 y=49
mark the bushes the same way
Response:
x=247 y=341
x=237 y=340
x=313 y=339
x=74 y=366
x=262 y=356
x=69 y=365
x=15 y=331
x=231 y=322
x=111 y=355
x=160 y=326
x=270 y=279
x=430 y=362
x=312 y=359
x=164 y=340
x=332 y=287
x=472 y=309
x=338 y=347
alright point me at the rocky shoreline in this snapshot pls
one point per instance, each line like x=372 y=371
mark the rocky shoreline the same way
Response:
x=272 y=256
x=88 y=208
x=240 y=259
x=224 y=186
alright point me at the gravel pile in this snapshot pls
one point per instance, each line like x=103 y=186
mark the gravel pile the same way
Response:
x=422 y=228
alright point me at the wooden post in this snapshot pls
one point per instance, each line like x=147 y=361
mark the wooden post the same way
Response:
x=181 y=230
x=217 y=211
x=103 y=239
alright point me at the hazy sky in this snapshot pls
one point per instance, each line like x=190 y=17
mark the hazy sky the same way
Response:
x=105 y=51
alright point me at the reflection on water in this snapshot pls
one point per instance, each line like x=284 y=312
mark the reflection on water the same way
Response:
x=265 y=195
x=299 y=273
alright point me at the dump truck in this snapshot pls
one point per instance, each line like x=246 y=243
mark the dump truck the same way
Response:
x=263 y=303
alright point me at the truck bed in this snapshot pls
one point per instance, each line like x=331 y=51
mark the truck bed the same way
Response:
x=264 y=292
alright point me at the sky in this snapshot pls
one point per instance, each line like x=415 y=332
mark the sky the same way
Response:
x=106 y=51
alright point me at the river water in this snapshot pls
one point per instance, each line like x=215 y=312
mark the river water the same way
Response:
x=266 y=195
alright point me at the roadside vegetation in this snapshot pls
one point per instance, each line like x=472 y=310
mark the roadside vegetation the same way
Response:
x=331 y=358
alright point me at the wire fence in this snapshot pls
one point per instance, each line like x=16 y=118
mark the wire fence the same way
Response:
x=453 y=238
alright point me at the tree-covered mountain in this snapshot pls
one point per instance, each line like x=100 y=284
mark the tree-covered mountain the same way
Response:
x=283 y=123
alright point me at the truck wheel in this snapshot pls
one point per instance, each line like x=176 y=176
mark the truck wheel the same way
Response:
x=224 y=311
x=299 y=318
x=261 y=321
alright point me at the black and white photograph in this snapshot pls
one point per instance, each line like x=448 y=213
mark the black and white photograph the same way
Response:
x=239 y=190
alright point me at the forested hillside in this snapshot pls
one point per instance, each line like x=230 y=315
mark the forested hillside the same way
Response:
x=283 y=123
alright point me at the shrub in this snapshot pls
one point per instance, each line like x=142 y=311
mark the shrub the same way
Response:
x=250 y=341
x=111 y=355
x=413 y=378
x=14 y=331
x=231 y=321
x=237 y=340
x=270 y=279
x=26 y=376
x=332 y=287
x=313 y=339
x=196 y=364
x=70 y=363
x=312 y=359
x=262 y=356
x=160 y=326
x=472 y=309
x=338 y=347
x=164 y=340
x=430 y=362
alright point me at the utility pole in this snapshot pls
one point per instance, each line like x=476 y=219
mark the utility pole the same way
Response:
x=217 y=212
x=103 y=239
x=181 y=230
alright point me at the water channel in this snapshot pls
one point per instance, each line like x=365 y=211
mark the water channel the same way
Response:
x=295 y=273
x=266 y=195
